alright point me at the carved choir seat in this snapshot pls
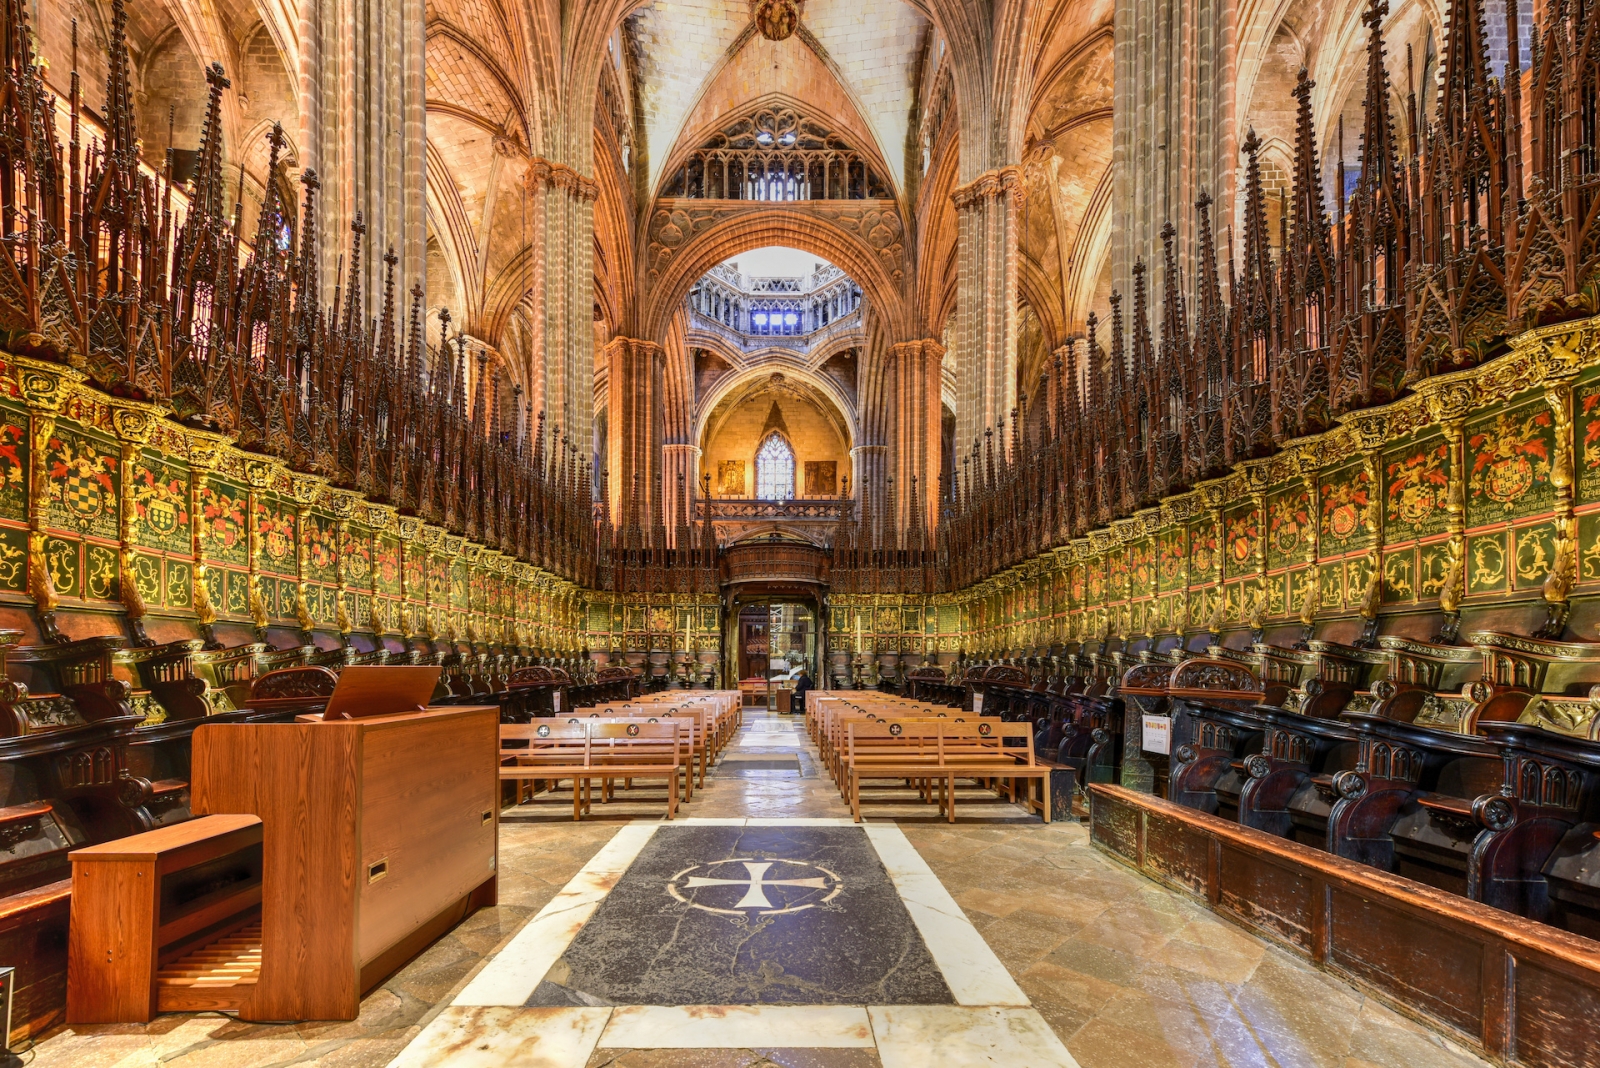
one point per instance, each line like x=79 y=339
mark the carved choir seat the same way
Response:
x=930 y=683
x=1215 y=726
x=1407 y=806
x=540 y=690
x=228 y=673
x=298 y=690
x=1002 y=688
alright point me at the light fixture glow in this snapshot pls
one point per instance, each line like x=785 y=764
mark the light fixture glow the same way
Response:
x=760 y=318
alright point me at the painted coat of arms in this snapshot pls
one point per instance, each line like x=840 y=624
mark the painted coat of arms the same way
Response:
x=13 y=471
x=1288 y=522
x=1418 y=482
x=275 y=536
x=83 y=486
x=222 y=515
x=1510 y=458
x=1346 y=504
x=161 y=506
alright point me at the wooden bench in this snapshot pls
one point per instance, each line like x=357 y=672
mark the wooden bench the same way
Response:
x=942 y=751
x=595 y=749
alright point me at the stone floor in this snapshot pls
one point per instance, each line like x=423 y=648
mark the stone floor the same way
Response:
x=1126 y=973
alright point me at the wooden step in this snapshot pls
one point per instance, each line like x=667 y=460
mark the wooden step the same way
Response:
x=217 y=975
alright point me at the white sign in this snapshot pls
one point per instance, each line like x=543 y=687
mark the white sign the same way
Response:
x=1157 y=734
x=555 y=697
x=977 y=704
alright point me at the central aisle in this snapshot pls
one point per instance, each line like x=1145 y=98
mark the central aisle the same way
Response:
x=763 y=920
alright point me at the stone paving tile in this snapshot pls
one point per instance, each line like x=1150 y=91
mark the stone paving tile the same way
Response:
x=1128 y=973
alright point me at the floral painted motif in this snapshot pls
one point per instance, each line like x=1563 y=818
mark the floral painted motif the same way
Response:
x=13 y=471
x=386 y=566
x=1203 y=549
x=1141 y=564
x=1241 y=536
x=322 y=553
x=357 y=550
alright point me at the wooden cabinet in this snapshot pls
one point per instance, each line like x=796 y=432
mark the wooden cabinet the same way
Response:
x=379 y=835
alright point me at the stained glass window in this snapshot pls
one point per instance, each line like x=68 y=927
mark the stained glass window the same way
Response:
x=774 y=469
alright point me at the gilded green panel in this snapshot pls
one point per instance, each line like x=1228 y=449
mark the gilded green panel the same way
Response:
x=238 y=593
x=1333 y=587
x=1589 y=547
x=458 y=585
x=61 y=558
x=13 y=465
x=635 y=618
x=1277 y=594
x=359 y=605
x=357 y=552
x=708 y=619
x=1142 y=565
x=1233 y=600
x=1297 y=581
x=1400 y=576
x=1169 y=558
x=1508 y=458
x=288 y=598
x=386 y=566
x=1117 y=573
x=83 y=471
x=1535 y=550
x=949 y=618
x=1586 y=406
x=1095 y=576
x=147 y=577
x=1203 y=604
x=216 y=583
x=1416 y=486
x=100 y=573
x=1433 y=564
x=1346 y=510
x=320 y=533
x=275 y=535
x=1357 y=577
x=160 y=495
x=1204 y=543
x=1288 y=527
x=179 y=584
x=416 y=571
x=222 y=519
x=1486 y=563
x=13 y=559
x=1241 y=534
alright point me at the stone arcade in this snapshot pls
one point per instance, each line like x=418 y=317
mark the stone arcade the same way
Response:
x=777 y=533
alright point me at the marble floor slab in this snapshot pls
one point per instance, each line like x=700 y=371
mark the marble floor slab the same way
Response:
x=749 y=915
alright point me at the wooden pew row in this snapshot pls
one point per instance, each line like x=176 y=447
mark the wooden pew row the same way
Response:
x=940 y=751
x=588 y=749
x=1521 y=992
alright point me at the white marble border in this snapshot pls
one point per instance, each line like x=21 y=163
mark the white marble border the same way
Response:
x=488 y=1023
x=971 y=970
x=738 y=1027
x=511 y=975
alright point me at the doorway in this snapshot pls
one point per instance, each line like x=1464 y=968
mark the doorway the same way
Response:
x=775 y=640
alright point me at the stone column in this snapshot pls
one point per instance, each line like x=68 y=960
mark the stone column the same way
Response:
x=363 y=129
x=635 y=370
x=985 y=336
x=562 y=201
x=917 y=427
x=1172 y=130
x=679 y=461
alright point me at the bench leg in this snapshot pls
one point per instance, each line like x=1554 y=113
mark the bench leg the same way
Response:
x=577 y=800
x=952 y=809
x=1044 y=796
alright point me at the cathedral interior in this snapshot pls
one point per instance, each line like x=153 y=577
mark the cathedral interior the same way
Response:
x=786 y=534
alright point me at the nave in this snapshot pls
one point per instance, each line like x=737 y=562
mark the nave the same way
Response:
x=1024 y=940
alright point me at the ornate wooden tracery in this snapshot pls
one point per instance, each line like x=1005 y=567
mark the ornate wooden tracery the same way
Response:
x=776 y=154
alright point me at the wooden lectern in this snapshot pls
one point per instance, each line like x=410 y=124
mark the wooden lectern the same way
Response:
x=374 y=836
